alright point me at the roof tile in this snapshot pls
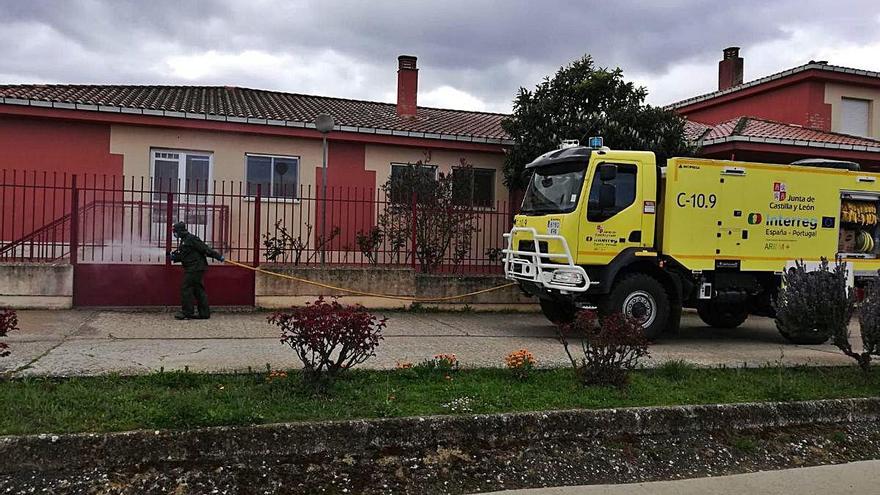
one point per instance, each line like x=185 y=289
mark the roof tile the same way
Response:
x=763 y=129
x=246 y=103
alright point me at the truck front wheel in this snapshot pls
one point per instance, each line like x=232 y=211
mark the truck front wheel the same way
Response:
x=641 y=298
x=558 y=312
x=722 y=315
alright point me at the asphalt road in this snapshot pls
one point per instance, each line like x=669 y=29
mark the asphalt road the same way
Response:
x=81 y=342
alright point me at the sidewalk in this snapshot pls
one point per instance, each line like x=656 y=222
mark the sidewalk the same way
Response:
x=82 y=342
x=856 y=478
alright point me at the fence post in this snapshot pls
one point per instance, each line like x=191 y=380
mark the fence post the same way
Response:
x=258 y=201
x=169 y=220
x=415 y=214
x=74 y=221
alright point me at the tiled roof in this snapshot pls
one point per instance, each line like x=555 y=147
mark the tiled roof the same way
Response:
x=770 y=132
x=236 y=104
x=821 y=66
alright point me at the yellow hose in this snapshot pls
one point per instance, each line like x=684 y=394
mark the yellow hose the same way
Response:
x=362 y=293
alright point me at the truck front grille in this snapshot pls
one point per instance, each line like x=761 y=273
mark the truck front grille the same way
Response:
x=530 y=246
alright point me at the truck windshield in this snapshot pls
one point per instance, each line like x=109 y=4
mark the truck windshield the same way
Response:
x=554 y=189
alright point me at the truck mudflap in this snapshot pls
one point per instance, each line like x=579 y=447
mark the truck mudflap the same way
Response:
x=540 y=267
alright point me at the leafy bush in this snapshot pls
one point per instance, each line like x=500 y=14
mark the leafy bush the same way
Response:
x=814 y=305
x=520 y=363
x=8 y=323
x=869 y=327
x=329 y=337
x=611 y=347
x=445 y=364
x=368 y=243
x=436 y=211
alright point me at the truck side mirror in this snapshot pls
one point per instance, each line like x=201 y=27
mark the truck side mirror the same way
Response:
x=607 y=196
x=607 y=172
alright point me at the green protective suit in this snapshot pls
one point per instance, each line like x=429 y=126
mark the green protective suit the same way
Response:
x=193 y=254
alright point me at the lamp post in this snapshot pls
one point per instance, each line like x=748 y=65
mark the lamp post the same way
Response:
x=324 y=124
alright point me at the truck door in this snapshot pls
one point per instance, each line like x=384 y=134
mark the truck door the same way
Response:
x=733 y=228
x=610 y=229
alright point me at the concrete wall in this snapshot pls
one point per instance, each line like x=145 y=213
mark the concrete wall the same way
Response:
x=451 y=454
x=275 y=292
x=36 y=286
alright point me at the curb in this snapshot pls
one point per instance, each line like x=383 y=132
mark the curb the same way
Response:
x=44 y=453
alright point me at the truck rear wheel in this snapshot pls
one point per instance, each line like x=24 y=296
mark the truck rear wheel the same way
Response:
x=642 y=298
x=722 y=315
x=558 y=312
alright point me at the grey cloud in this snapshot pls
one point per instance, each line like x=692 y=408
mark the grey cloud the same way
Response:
x=487 y=49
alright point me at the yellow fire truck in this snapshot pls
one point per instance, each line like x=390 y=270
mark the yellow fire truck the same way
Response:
x=610 y=230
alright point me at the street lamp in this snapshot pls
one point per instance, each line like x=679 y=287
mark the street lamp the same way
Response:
x=324 y=124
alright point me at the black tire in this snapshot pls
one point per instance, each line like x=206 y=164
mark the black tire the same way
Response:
x=722 y=315
x=812 y=338
x=558 y=312
x=641 y=297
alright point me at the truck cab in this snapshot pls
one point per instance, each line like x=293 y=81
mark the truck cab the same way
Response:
x=587 y=213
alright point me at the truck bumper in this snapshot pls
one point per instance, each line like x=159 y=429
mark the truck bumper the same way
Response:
x=555 y=271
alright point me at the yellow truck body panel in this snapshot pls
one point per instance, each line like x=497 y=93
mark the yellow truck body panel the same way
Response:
x=762 y=215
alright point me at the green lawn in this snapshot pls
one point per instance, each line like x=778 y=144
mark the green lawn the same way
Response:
x=185 y=400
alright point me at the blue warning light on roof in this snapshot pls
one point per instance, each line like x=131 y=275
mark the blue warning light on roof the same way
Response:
x=596 y=142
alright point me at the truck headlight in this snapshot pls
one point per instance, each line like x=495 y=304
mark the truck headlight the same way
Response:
x=567 y=278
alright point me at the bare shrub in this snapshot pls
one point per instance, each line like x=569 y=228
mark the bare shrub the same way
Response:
x=611 y=347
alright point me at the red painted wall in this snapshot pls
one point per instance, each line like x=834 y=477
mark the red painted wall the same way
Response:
x=802 y=103
x=348 y=181
x=156 y=285
x=40 y=152
x=42 y=144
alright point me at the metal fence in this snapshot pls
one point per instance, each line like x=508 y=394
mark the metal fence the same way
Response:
x=46 y=216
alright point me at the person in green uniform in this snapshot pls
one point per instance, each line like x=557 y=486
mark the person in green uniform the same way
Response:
x=193 y=254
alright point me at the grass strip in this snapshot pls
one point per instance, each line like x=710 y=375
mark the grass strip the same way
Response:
x=178 y=400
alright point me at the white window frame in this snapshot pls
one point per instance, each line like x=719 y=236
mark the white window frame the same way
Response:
x=869 y=110
x=181 y=167
x=273 y=199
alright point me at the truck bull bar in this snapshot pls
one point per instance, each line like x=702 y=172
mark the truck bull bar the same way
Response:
x=529 y=265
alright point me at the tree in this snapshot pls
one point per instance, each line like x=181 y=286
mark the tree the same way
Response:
x=582 y=100
x=443 y=210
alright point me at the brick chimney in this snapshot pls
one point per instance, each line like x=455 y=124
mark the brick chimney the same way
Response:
x=730 y=69
x=407 y=85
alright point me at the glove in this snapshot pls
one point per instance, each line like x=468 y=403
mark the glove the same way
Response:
x=221 y=259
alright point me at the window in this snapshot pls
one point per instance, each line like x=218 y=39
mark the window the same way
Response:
x=625 y=193
x=554 y=189
x=277 y=176
x=187 y=172
x=403 y=175
x=855 y=116
x=474 y=186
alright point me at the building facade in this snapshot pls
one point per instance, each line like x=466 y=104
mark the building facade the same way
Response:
x=816 y=110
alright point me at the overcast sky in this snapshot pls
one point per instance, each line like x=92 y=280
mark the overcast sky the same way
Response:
x=472 y=54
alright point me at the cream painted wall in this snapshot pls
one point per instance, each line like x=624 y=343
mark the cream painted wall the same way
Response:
x=379 y=158
x=229 y=149
x=835 y=92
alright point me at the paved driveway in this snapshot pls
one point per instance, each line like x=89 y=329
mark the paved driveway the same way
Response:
x=90 y=342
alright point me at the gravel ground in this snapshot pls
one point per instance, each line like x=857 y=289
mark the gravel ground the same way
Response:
x=438 y=470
